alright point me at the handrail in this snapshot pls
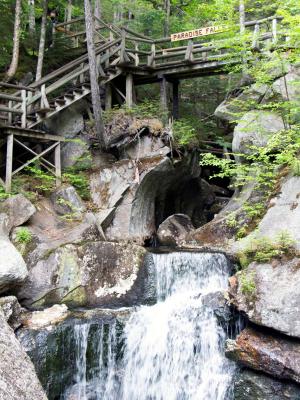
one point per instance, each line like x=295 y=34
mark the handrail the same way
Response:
x=19 y=87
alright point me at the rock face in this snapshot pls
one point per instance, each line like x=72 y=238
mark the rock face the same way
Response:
x=19 y=210
x=174 y=230
x=278 y=357
x=18 y=379
x=67 y=202
x=249 y=385
x=11 y=310
x=276 y=298
x=285 y=207
x=255 y=129
x=13 y=270
x=91 y=274
x=135 y=198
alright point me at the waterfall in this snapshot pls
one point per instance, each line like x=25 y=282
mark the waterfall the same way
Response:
x=172 y=350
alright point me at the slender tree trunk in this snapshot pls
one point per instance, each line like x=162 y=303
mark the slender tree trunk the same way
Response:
x=39 y=68
x=242 y=16
x=31 y=17
x=167 y=7
x=95 y=90
x=16 y=48
x=69 y=10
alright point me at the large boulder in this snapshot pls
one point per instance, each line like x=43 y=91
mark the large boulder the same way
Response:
x=88 y=274
x=269 y=294
x=18 y=208
x=288 y=87
x=173 y=231
x=230 y=110
x=249 y=385
x=18 y=379
x=67 y=202
x=13 y=270
x=254 y=129
x=275 y=356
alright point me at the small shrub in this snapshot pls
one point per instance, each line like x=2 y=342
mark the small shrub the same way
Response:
x=23 y=236
x=80 y=182
x=247 y=283
x=262 y=249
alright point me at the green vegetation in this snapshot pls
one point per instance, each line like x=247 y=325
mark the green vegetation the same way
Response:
x=23 y=235
x=247 y=283
x=262 y=249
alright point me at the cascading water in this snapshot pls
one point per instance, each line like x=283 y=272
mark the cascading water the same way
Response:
x=172 y=350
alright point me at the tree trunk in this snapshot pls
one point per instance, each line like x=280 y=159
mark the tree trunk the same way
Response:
x=69 y=10
x=95 y=90
x=39 y=68
x=167 y=7
x=31 y=17
x=16 y=48
x=242 y=16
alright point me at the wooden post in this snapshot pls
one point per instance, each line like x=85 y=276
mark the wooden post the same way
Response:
x=175 y=99
x=57 y=162
x=255 y=44
x=108 y=96
x=9 y=162
x=24 y=106
x=129 y=90
x=164 y=94
x=274 y=30
x=10 y=115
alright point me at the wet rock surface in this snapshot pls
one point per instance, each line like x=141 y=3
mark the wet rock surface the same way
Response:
x=276 y=356
x=249 y=385
x=275 y=299
x=91 y=274
x=18 y=378
x=174 y=229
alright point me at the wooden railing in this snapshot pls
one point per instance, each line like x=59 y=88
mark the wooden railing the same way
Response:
x=116 y=48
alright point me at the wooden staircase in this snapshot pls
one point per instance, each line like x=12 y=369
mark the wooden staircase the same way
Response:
x=138 y=58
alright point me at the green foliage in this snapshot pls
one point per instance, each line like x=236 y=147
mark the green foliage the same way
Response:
x=184 y=133
x=79 y=180
x=247 y=283
x=23 y=235
x=44 y=181
x=262 y=249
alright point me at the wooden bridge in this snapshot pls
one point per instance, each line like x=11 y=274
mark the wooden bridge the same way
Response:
x=124 y=59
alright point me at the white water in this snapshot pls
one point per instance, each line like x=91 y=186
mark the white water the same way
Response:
x=173 y=350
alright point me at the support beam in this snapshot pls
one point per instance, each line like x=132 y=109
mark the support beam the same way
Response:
x=9 y=162
x=164 y=94
x=57 y=162
x=176 y=99
x=108 y=96
x=129 y=90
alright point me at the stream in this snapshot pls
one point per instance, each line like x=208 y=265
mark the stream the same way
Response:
x=170 y=350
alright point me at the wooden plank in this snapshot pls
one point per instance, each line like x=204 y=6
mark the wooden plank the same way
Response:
x=9 y=162
x=57 y=158
x=108 y=96
x=164 y=94
x=189 y=52
x=18 y=87
x=34 y=159
x=33 y=152
x=31 y=134
x=4 y=96
x=73 y=21
x=129 y=90
x=10 y=110
x=24 y=109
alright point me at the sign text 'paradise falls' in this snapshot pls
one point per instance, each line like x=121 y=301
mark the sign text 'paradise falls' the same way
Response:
x=210 y=30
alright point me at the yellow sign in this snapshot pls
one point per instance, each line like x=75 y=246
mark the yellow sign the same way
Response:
x=210 y=30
